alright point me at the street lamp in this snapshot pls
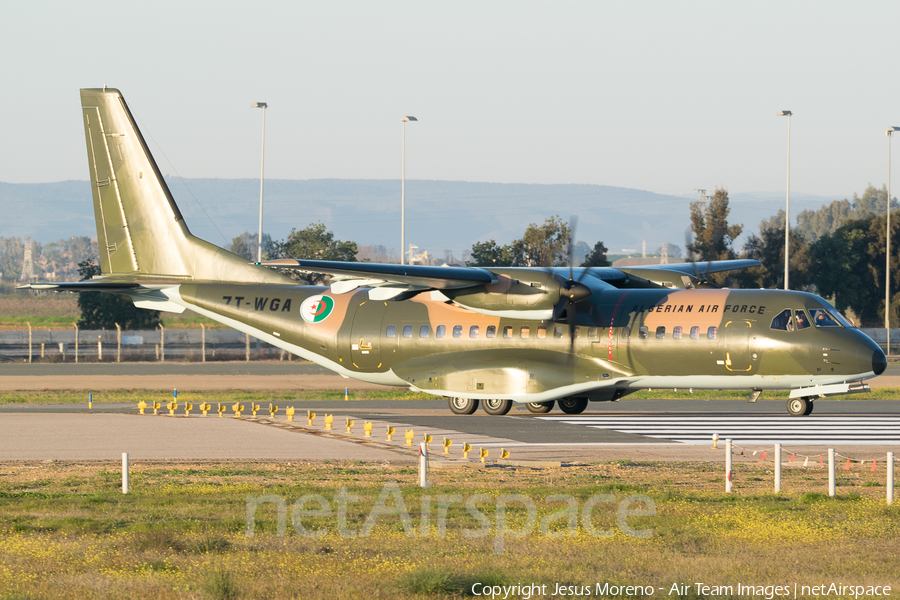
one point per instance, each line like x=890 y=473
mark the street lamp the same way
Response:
x=787 y=210
x=887 y=270
x=403 y=194
x=262 y=165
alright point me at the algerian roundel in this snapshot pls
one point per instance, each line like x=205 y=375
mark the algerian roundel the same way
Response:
x=316 y=309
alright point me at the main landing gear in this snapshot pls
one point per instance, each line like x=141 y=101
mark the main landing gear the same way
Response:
x=572 y=406
x=799 y=406
x=497 y=406
x=463 y=406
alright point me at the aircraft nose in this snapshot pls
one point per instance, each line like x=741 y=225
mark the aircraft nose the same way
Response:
x=879 y=362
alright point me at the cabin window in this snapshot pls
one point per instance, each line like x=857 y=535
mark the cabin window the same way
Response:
x=676 y=332
x=801 y=319
x=391 y=330
x=441 y=331
x=424 y=331
x=542 y=332
x=626 y=332
x=557 y=331
x=712 y=332
x=592 y=333
x=407 y=331
x=457 y=331
x=782 y=321
x=473 y=331
x=491 y=331
x=822 y=318
x=660 y=332
x=643 y=332
x=526 y=331
x=695 y=332
x=507 y=332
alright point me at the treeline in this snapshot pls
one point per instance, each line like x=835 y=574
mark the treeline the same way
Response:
x=55 y=261
x=837 y=251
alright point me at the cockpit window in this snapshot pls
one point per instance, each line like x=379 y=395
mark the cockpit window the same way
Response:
x=801 y=320
x=782 y=321
x=822 y=319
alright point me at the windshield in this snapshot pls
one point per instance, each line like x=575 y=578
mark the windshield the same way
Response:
x=829 y=317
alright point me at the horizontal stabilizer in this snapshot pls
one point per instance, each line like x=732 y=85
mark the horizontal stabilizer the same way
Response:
x=82 y=286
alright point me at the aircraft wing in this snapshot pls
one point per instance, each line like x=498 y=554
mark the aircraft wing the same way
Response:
x=682 y=274
x=82 y=286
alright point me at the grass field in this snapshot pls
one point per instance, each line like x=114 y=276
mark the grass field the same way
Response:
x=68 y=532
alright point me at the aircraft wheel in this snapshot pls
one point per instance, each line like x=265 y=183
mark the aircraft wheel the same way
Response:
x=797 y=407
x=463 y=406
x=539 y=408
x=495 y=406
x=572 y=406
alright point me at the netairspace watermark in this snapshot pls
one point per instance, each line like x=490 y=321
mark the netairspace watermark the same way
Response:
x=680 y=590
x=390 y=503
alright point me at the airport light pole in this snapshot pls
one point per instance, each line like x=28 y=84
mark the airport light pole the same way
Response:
x=403 y=193
x=787 y=209
x=262 y=168
x=887 y=269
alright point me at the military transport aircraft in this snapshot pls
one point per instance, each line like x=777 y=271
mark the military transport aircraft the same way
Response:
x=491 y=335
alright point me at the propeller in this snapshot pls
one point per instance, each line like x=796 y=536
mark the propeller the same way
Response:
x=699 y=279
x=571 y=292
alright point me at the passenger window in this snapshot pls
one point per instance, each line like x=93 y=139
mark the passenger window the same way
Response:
x=491 y=331
x=676 y=332
x=822 y=318
x=407 y=331
x=473 y=331
x=592 y=333
x=542 y=332
x=660 y=332
x=391 y=330
x=507 y=332
x=441 y=331
x=695 y=332
x=712 y=332
x=626 y=332
x=526 y=331
x=557 y=331
x=424 y=331
x=782 y=321
x=801 y=320
x=457 y=331
x=643 y=332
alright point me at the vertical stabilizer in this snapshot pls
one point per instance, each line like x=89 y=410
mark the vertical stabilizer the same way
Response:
x=139 y=227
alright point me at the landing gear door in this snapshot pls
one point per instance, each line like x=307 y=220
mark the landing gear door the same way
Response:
x=366 y=336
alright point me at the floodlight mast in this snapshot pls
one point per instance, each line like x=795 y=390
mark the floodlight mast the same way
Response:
x=262 y=168
x=403 y=192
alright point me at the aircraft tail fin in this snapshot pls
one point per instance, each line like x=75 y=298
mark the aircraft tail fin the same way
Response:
x=140 y=229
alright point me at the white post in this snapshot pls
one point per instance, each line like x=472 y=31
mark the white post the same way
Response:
x=727 y=466
x=831 y=472
x=890 y=478
x=29 y=342
x=423 y=465
x=118 y=343
x=247 y=335
x=124 y=472
x=76 y=341
x=99 y=348
x=777 y=468
x=162 y=343
x=203 y=341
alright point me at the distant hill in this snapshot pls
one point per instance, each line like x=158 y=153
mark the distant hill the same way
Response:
x=441 y=215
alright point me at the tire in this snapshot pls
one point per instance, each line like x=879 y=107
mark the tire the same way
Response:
x=496 y=406
x=462 y=406
x=809 y=408
x=797 y=407
x=572 y=406
x=539 y=408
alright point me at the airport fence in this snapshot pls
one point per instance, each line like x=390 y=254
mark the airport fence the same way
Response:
x=123 y=345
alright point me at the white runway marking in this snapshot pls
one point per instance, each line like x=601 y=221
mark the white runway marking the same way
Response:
x=749 y=429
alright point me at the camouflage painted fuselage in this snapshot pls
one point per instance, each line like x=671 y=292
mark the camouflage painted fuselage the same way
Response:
x=625 y=340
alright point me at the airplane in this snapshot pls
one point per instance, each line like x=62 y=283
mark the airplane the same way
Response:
x=494 y=336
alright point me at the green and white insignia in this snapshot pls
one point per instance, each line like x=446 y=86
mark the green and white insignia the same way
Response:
x=316 y=309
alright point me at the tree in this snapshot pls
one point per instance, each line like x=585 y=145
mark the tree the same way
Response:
x=768 y=248
x=101 y=310
x=489 y=254
x=245 y=244
x=312 y=243
x=713 y=235
x=597 y=257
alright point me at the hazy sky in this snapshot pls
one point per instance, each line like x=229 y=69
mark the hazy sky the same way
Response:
x=663 y=96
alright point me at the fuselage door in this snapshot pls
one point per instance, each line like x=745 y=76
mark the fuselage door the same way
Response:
x=735 y=341
x=365 y=336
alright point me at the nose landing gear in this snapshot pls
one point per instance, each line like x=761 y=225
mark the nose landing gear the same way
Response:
x=797 y=407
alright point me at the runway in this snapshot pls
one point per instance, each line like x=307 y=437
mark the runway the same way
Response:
x=629 y=429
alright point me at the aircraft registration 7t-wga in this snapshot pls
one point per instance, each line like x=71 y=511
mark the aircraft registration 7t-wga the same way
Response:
x=536 y=336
